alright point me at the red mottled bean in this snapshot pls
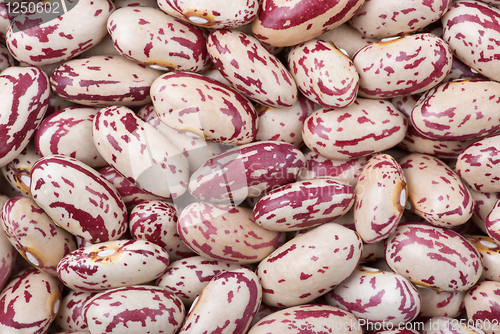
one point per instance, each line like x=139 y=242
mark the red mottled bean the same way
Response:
x=309 y=265
x=303 y=204
x=434 y=257
x=26 y=97
x=379 y=126
x=233 y=297
x=483 y=204
x=196 y=104
x=149 y=36
x=490 y=255
x=70 y=316
x=134 y=309
x=18 y=171
x=481 y=306
x=281 y=23
x=210 y=14
x=251 y=69
x=103 y=81
x=8 y=253
x=78 y=198
x=226 y=233
x=437 y=303
x=112 y=264
x=407 y=65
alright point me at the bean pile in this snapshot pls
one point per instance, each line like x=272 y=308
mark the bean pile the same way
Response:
x=250 y=167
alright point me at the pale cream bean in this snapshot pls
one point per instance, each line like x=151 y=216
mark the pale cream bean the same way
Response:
x=69 y=132
x=381 y=194
x=149 y=36
x=140 y=153
x=383 y=18
x=483 y=204
x=103 y=81
x=78 y=198
x=30 y=302
x=281 y=23
x=8 y=252
x=134 y=309
x=365 y=127
x=112 y=264
x=18 y=171
x=187 y=277
x=458 y=110
x=323 y=73
x=435 y=192
x=230 y=300
x=377 y=296
x=437 y=303
x=82 y=27
x=103 y=48
x=70 y=316
x=490 y=255
x=313 y=318
x=210 y=14
x=309 y=265
x=251 y=69
x=35 y=235
x=433 y=257
x=346 y=38
x=196 y=104
x=407 y=65
x=226 y=233
x=481 y=306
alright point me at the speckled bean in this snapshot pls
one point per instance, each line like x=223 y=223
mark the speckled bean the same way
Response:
x=303 y=204
x=8 y=253
x=490 y=255
x=197 y=104
x=437 y=303
x=483 y=204
x=379 y=126
x=309 y=265
x=433 y=257
x=103 y=81
x=251 y=69
x=26 y=91
x=226 y=233
x=377 y=296
x=70 y=316
x=229 y=303
x=435 y=192
x=18 y=171
x=149 y=36
x=407 y=65
x=481 y=305
x=134 y=309
x=323 y=73
x=112 y=264
x=188 y=277
x=78 y=198
x=139 y=152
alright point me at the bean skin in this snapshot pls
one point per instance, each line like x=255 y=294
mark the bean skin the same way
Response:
x=70 y=316
x=18 y=171
x=481 y=306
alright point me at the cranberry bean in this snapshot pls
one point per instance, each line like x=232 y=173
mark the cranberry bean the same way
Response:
x=112 y=264
x=69 y=132
x=382 y=18
x=26 y=97
x=103 y=81
x=434 y=257
x=490 y=255
x=194 y=103
x=483 y=204
x=226 y=233
x=70 y=316
x=157 y=166
x=492 y=223
x=458 y=110
x=437 y=303
x=151 y=37
x=379 y=126
x=134 y=309
x=309 y=318
x=381 y=194
x=435 y=192
x=230 y=300
x=7 y=251
x=18 y=171
x=209 y=14
x=309 y=265
x=303 y=204
x=481 y=305
x=280 y=23
x=36 y=237
x=407 y=65
x=471 y=29
x=187 y=278
x=30 y=302
x=156 y=222
x=323 y=73
x=405 y=103
x=50 y=42
x=78 y=198
x=377 y=296
x=460 y=71
x=251 y=69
